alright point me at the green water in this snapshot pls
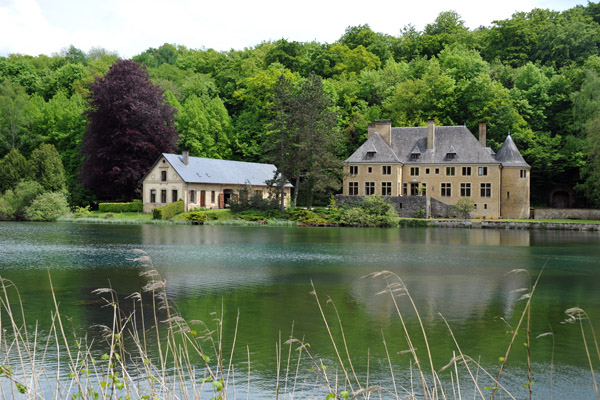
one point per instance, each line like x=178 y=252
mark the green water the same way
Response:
x=265 y=273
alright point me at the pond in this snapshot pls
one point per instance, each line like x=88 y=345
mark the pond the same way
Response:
x=460 y=275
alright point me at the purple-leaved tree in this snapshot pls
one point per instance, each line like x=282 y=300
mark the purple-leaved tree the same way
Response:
x=129 y=127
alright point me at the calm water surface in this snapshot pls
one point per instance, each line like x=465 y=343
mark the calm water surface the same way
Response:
x=265 y=273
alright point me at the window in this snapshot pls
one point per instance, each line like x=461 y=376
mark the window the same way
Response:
x=446 y=189
x=405 y=189
x=437 y=171
x=153 y=196
x=386 y=188
x=427 y=171
x=387 y=170
x=475 y=205
x=507 y=195
x=414 y=171
x=354 y=170
x=258 y=193
x=163 y=176
x=482 y=171
x=174 y=195
x=424 y=189
x=163 y=196
x=369 y=188
x=415 y=156
x=212 y=196
x=466 y=171
x=485 y=206
x=370 y=169
x=450 y=171
x=450 y=156
x=486 y=190
x=192 y=196
x=465 y=190
x=523 y=173
x=353 y=188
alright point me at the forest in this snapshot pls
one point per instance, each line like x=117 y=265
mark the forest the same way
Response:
x=535 y=75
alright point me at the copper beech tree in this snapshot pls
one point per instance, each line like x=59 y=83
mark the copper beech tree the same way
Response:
x=129 y=127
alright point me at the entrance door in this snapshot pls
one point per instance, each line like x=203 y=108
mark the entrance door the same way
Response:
x=202 y=198
x=414 y=189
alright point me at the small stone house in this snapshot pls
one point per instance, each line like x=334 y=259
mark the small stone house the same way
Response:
x=445 y=163
x=203 y=182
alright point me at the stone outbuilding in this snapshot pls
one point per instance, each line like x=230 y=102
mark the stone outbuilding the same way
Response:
x=203 y=182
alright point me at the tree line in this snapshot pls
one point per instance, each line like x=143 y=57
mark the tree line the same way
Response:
x=535 y=75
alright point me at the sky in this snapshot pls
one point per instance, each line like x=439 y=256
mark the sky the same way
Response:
x=129 y=27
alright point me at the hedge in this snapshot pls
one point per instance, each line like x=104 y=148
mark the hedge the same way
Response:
x=168 y=211
x=134 y=206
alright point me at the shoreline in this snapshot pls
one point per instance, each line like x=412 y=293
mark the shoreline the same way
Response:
x=403 y=223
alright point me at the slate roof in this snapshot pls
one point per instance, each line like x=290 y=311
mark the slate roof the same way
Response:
x=448 y=139
x=210 y=170
x=383 y=152
x=510 y=156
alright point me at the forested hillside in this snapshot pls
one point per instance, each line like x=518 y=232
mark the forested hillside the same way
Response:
x=535 y=75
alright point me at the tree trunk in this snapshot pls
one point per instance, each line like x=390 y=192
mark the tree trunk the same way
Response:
x=296 y=190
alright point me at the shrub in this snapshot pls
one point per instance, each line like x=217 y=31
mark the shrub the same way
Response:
x=47 y=207
x=82 y=212
x=168 y=211
x=369 y=211
x=134 y=206
x=307 y=217
x=258 y=215
x=420 y=213
x=464 y=206
x=196 y=217
x=14 y=202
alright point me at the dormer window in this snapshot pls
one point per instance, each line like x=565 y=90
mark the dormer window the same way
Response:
x=415 y=156
x=371 y=153
x=450 y=156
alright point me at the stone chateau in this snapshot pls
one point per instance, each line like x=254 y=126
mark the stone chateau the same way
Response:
x=442 y=164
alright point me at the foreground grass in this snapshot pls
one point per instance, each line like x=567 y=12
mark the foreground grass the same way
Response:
x=149 y=352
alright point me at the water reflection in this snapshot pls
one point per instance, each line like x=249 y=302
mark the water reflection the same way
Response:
x=265 y=273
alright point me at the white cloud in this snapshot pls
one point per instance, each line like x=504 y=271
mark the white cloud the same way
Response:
x=131 y=26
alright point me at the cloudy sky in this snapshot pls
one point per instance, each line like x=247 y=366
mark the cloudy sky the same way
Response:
x=131 y=26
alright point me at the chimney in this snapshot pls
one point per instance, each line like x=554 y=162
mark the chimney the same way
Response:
x=482 y=133
x=370 y=131
x=384 y=127
x=430 y=134
x=185 y=157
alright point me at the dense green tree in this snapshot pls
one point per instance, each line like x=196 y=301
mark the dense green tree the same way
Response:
x=13 y=169
x=16 y=116
x=205 y=127
x=47 y=168
x=305 y=143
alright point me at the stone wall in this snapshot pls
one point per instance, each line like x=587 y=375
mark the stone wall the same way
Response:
x=566 y=213
x=409 y=206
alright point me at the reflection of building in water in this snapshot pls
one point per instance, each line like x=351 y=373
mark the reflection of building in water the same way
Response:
x=478 y=237
x=455 y=292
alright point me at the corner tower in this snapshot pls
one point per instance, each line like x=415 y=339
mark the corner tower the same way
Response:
x=515 y=181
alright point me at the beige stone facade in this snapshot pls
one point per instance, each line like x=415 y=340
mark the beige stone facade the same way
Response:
x=165 y=184
x=445 y=163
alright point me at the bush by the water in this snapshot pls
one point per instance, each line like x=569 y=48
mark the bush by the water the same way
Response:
x=134 y=206
x=369 y=211
x=168 y=211
x=47 y=207
x=259 y=215
x=307 y=217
